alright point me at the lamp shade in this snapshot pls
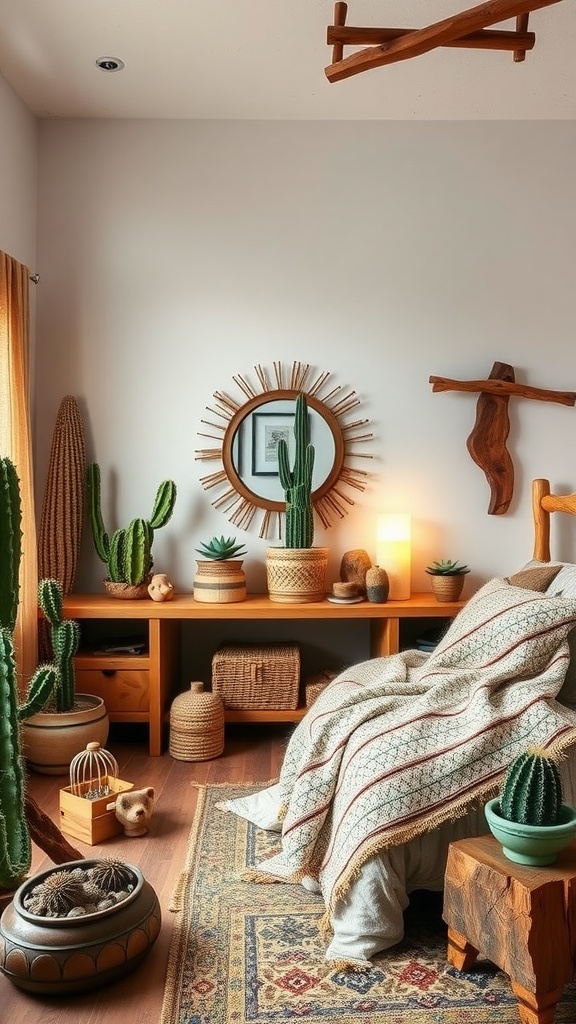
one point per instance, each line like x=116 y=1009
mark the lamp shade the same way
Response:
x=393 y=552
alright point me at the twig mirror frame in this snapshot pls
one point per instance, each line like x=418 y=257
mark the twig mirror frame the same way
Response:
x=332 y=403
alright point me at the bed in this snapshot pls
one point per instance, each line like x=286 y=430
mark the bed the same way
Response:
x=398 y=755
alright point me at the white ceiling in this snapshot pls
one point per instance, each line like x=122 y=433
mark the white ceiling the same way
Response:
x=266 y=59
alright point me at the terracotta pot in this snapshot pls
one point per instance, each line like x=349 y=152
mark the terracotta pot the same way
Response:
x=219 y=582
x=296 y=575
x=51 y=739
x=55 y=955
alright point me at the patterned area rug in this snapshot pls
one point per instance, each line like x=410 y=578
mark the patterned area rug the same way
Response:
x=246 y=953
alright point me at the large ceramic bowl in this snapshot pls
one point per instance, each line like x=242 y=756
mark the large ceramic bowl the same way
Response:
x=536 y=845
x=61 y=955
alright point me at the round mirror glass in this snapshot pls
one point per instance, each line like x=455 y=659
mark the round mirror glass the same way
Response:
x=255 y=441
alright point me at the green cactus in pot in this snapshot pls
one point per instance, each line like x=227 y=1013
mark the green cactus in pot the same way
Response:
x=127 y=552
x=532 y=790
x=297 y=483
x=15 y=845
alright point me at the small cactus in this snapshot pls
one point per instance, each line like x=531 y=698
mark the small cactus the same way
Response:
x=297 y=483
x=532 y=789
x=127 y=553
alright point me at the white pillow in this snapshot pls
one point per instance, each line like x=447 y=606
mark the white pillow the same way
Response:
x=517 y=629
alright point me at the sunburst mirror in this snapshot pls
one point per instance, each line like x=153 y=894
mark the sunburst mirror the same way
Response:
x=248 y=429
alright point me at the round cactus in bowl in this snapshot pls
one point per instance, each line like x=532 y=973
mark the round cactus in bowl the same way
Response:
x=529 y=818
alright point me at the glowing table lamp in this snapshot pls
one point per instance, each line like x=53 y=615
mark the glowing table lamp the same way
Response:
x=393 y=553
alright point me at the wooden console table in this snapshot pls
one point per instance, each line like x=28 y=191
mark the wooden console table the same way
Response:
x=139 y=687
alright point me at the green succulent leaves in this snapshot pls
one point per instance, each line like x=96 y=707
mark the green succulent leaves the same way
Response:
x=219 y=549
x=447 y=568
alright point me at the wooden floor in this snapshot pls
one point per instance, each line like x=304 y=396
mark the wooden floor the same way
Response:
x=252 y=754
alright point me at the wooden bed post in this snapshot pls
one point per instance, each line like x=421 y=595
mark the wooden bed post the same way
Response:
x=540 y=489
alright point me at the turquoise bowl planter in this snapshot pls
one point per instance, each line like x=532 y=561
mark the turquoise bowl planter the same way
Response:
x=536 y=845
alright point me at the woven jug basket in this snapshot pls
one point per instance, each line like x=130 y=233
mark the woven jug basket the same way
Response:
x=196 y=725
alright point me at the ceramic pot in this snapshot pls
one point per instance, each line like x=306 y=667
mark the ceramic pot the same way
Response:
x=60 y=956
x=536 y=845
x=377 y=584
x=296 y=575
x=52 y=738
x=219 y=582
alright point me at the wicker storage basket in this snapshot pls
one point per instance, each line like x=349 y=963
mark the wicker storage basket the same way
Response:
x=196 y=725
x=316 y=683
x=261 y=676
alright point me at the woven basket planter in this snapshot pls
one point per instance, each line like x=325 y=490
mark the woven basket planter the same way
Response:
x=128 y=591
x=447 y=588
x=296 y=575
x=220 y=582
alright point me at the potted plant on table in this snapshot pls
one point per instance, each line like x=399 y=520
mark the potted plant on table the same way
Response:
x=297 y=572
x=529 y=817
x=447 y=579
x=127 y=553
x=220 y=577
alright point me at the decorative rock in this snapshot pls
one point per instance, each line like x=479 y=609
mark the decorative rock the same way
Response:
x=377 y=585
x=354 y=566
x=160 y=588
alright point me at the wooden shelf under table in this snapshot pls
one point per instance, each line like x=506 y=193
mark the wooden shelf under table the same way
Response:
x=153 y=689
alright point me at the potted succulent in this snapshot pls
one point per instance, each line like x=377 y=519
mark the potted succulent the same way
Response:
x=297 y=572
x=447 y=579
x=529 y=817
x=220 y=577
x=127 y=553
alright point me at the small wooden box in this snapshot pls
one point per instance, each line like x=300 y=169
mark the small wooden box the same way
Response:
x=260 y=676
x=88 y=820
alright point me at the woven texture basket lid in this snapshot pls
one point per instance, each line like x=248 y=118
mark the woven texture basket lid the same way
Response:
x=196 y=725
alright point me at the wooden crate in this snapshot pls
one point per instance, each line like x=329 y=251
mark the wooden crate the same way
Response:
x=90 y=820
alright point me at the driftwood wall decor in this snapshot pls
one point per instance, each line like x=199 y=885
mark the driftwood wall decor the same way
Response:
x=487 y=442
x=469 y=29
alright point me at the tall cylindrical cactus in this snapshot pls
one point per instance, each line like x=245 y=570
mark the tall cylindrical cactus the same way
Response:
x=532 y=790
x=65 y=640
x=127 y=553
x=297 y=483
x=15 y=849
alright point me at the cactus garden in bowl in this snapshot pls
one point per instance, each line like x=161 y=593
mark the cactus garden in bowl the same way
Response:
x=529 y=818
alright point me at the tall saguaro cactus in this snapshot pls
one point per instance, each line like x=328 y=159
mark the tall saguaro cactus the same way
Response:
x=297 y=483
x=128 y=552
x=15 y=848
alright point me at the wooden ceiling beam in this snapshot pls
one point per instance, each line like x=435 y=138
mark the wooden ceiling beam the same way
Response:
x=401 y=44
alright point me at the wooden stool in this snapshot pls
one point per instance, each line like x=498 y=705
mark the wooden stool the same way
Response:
x=521 y=918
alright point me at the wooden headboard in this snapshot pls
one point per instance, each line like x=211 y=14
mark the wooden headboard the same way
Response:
x=543 y=503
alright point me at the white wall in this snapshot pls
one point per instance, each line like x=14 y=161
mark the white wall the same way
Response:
x=18 y=168
x=176 y=254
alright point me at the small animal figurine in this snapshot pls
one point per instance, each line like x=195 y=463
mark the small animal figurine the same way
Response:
x=160 y=588
x=134 y=810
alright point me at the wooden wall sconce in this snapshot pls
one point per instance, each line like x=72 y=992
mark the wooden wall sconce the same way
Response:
x=487 y=442
x=467 y=29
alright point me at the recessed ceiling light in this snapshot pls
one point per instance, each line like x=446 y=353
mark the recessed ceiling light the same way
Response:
x=110 y=63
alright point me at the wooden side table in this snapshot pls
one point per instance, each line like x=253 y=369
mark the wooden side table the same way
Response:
x=521 y=918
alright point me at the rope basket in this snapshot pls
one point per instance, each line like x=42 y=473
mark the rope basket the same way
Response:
x=296 y=575
x=316 y=683
x=196 y=725
x=260 y=676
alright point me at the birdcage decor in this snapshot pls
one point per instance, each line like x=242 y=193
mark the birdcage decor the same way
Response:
x=87 y=804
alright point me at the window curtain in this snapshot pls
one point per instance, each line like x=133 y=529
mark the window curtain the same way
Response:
x=16 y=443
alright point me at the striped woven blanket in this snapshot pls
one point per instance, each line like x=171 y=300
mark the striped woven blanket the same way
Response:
x=395 y=746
